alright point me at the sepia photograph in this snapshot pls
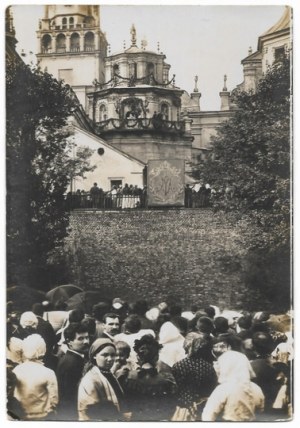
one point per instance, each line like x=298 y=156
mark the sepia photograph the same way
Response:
x=149 y=212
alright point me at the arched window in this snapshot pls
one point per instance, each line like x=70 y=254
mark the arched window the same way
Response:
x=102 y=113
x=150 y=68
x=115 y=69
x=89 y=42
x=46 y=43
x=61 y=43
x=75 y=42
x=164 y=110
x=150 y=73
x=64 y=23
x=134 y=70
x=71 y=22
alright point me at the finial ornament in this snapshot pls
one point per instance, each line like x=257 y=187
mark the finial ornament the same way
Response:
x=225 y=80
x=196 y=84
x=158 y=47
x=108 y=49
x=133 y=35
x=250 y=50
x=124 y=45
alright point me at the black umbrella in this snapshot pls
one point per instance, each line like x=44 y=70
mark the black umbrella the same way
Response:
x=62 y=293
x=24 y=297
x=86 y=300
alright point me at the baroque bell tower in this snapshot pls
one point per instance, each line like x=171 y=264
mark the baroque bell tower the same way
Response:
x=72 y=46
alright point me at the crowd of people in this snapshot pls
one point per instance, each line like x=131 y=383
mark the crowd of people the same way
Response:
x=119 y=197
x=197 y=196
x=124 y=361
x=133 y=196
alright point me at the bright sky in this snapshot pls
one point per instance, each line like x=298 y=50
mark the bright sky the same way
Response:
x=208 y=41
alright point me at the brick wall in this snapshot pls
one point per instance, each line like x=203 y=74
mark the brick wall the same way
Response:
x=193 y=255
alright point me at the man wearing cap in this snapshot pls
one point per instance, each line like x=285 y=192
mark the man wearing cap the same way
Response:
x=70 y=368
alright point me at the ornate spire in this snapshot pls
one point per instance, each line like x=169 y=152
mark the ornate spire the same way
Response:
x=196 y=83
x=250 y=50
x=225 y=80
x=133 y=35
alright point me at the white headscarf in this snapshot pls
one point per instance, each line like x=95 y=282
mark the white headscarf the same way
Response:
x=28 y=319
x=172 y=341
x=233 y=366
x=169 y=333
x=34 y=347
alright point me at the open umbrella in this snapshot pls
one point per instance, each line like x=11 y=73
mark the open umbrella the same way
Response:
x=86 y=300
x=24 y=297
x=62 y=293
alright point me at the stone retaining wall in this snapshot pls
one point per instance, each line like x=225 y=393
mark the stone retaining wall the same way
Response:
x=192 y=255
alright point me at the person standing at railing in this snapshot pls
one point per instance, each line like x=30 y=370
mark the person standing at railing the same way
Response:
x=95 y=193
x=187 y=196
x=143 y=197
x=114 y=197
x=131 y=197
x=119 y=197
x=136 y=196
x=125 y=193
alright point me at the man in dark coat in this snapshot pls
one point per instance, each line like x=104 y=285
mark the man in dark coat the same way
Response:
x=69 y=370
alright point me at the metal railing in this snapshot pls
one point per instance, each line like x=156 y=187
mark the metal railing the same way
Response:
x=108 y=201
x=104 y=201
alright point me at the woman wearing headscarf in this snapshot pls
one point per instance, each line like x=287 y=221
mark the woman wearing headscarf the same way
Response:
x=100 y=394
x=36 y=385
x=236 y=398
x=172 y=344
x=195 y=377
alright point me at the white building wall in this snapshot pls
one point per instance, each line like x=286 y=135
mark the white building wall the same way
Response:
x=112 y=165
x=269 y=47
x=76 y=71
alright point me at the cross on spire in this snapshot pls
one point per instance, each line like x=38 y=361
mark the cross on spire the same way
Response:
x=196 y=82
x=133 y=35
x=225 y=80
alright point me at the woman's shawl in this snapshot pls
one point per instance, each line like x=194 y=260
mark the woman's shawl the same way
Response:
x=94 y=388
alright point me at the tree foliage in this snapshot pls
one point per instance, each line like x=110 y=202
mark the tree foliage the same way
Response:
x=250 y=170
x=40 y=165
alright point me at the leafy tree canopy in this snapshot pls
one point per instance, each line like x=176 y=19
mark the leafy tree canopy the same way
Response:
x=250 y=163
x=249 y=169
x=40 y=165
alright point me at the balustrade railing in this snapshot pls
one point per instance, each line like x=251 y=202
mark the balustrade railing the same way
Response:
x=140 y=124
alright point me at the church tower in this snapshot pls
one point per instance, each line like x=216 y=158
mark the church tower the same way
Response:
x=72 y=46
x=137 y=109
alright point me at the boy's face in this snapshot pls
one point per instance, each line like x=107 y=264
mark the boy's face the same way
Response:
x=219 y=348
x=121 y=356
